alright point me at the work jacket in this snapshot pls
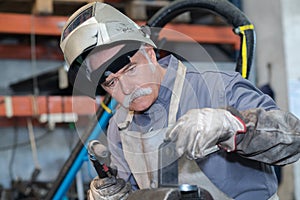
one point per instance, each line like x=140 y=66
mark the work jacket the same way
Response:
x=233 y=174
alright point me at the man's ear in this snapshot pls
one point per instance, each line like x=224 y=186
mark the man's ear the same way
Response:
x=149 y=49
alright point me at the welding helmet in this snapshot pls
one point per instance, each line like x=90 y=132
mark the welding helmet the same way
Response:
x=97 y=25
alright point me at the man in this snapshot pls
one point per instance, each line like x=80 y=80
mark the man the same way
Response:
x=226 y=132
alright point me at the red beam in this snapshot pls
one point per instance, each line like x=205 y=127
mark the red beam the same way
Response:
x=31 y=106
x=14 y=110
x=27 y=24
x=52 y=25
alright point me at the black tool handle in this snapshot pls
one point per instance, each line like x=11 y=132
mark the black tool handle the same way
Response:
x=102 y=170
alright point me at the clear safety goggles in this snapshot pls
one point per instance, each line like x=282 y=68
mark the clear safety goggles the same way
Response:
x=113 y=65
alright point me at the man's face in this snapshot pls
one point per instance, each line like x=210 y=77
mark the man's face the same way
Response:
x=137 y=84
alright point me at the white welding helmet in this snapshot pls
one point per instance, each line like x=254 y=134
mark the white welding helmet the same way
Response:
x=95 y=25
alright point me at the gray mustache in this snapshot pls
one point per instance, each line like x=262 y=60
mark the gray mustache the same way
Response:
x=137 y=93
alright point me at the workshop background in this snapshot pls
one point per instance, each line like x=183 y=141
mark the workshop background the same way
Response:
x=41 y=125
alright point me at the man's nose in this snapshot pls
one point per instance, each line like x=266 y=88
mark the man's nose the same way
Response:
x=126 y=85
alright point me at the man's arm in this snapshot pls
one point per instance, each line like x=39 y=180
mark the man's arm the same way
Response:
x=272 y=136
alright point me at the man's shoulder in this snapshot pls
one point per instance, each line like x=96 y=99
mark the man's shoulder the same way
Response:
x=206 y=72
x=212 y=75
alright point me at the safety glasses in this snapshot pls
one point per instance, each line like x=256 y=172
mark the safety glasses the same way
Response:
x=113 y=65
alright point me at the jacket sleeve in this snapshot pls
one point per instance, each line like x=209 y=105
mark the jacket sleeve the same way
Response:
x=272 y=137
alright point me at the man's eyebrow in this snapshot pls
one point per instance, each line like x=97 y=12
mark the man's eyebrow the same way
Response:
x=106 y=83
x=128 y=66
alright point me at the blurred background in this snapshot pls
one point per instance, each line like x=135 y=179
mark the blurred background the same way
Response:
x=42 y=122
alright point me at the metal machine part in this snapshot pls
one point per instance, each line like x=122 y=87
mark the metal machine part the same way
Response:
x=97 y=153
x=168 y=175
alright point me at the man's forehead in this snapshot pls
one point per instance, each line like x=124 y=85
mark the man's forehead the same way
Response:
x=100 y=56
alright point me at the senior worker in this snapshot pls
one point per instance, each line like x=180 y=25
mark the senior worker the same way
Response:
x=164 y=100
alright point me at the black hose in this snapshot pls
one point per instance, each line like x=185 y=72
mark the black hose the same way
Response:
x=224 y=8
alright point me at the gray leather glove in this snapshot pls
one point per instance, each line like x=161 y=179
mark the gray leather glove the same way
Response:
x=111 y=188
x=200 y=130
x=272 y=137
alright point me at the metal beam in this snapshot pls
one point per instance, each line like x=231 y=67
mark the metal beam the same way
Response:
x=12 y=23
x=33 y=106
x=52 y=25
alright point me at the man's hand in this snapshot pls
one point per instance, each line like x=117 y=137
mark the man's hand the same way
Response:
x=109 y=188
x=199 y=130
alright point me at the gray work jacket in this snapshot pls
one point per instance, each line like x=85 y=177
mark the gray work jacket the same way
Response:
x=238 y=177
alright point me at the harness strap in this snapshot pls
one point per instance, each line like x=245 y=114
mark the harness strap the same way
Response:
x=177 y=90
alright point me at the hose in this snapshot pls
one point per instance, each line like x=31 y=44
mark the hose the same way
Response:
x=233 y=16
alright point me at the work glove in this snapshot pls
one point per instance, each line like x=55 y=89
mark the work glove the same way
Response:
x=273 y=136
x=199 y=131
x=110 y=188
